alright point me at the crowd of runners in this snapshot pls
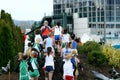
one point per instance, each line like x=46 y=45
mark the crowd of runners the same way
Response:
x=50 y=42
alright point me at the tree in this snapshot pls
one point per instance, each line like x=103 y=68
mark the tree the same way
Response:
x=10 y=39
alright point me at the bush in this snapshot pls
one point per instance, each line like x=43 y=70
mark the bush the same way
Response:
x=113 y=55
x=80 y=49
x=96 y=58
x=90 y=46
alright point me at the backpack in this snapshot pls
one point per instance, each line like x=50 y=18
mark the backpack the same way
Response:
x=23 y=68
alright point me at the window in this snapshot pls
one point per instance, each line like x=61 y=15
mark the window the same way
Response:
x=111 y=2
x=80 y=9
x=90 y=9
x=98 y=13
x=89 y=19
x=118 y=19
x=112 y=25
x=89 y=14
x=80 y=4
x=93 y=9
x=117 y=25
x=109 y=19
x=98 y=19
x=85 y=3
x=94 y=14
x=76 y=10
x=94 y=19
x=118 y=13
x=117 y=1
x=108 y=13
x=117 y=7
x=85 y=14
x=102 y=13
x=90 y=3
x=85 y=9
x=89 y=25
x=102 y=19
x=80 y=15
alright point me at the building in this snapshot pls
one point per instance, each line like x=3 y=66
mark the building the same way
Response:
x=103 y=16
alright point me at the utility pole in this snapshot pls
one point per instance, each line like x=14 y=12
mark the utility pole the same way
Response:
x=104 y=22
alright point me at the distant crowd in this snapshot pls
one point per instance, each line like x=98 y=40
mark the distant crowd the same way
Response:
x=49 y=41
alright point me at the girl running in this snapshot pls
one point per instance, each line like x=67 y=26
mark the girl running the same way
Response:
x=49 y=64
x=34 y=74
x=49 y=42
x=23 y=66
x=57 y=34
x=65 y=50
x=65 y=37
x=67 y=68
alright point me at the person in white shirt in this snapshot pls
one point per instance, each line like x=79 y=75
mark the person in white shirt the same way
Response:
x=37 y=35
x=65 y=38
x=57 y=34
x=67 y=68
x=26 y=43
x=49 y=64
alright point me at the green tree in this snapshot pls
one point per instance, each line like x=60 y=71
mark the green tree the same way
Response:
x=10 y=39
x=31 y=35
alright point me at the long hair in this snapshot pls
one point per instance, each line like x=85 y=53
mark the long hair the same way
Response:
x=49 y=49
x=58 y=24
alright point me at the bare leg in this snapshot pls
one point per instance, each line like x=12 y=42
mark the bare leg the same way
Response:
x=46 y=75
x=32 y=78
x=36 y=78
x=50 y=75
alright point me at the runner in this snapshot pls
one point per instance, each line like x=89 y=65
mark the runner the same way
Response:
x=65 y=50
x=49 y=64
x=45 y=30
x=57 y=35
x=49 y=42
x=67 y=68
x=65 y=37
x=34 y=74
x=37 y=35
x=24 y=68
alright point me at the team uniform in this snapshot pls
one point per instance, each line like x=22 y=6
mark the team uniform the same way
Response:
x=34 y=64
x=49 y=43
x=45 y=31
x=65 y=51
x=49 y=63
x=24 y=70
x=57 y=32
x=65 y=38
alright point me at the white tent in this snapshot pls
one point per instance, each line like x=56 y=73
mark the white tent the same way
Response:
x=85 y=38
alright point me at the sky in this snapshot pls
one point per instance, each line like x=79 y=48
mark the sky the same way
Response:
x=27 y=9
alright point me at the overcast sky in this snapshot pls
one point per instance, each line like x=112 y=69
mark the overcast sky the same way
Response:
x=27 y=9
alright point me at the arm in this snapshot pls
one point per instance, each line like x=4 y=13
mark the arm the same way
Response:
x=17 y=67
x=41 y=28
x=41 y=40
x=61 y=53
